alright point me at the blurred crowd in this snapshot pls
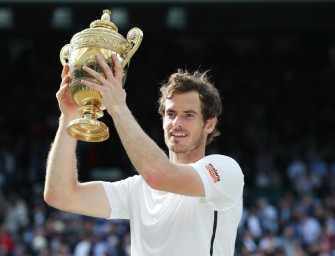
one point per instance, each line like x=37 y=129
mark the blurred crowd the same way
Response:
x=278 y=123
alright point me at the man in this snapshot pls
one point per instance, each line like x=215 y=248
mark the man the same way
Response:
x=188 y=204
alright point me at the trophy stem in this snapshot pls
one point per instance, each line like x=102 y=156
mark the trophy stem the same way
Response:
x=91 y=112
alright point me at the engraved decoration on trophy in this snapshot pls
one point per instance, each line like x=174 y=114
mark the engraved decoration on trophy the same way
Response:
x=101 y=38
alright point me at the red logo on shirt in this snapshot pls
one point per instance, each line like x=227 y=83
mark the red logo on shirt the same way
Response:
x=213 y=172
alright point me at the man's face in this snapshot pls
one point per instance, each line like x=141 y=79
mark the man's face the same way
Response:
x=183 y=124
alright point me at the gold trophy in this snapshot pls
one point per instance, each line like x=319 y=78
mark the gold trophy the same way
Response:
x=101 y=38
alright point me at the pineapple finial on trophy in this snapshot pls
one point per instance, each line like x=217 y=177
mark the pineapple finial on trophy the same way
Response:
x=106 y=15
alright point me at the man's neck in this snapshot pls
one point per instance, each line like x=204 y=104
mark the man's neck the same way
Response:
x=185 y=158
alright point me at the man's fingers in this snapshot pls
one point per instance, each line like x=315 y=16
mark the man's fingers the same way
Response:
x=100 y=77
x=107 y=71
x=65 y=80
x=92 y=85
x=118 y=70
x=61 y=90
x=65 y=70
x=105 y=68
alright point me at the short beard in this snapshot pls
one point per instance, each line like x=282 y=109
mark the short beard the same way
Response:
x=177 y=149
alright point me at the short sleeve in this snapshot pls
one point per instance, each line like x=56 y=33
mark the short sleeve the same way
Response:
x=223 y=180
x=118 y=194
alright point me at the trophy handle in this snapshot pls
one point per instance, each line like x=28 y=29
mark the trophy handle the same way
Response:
x=64 y=54
x=134 y=37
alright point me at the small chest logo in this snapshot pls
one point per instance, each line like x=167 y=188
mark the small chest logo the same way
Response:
x=213 y=172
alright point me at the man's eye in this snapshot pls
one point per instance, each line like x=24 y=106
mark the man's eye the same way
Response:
x=170 y=114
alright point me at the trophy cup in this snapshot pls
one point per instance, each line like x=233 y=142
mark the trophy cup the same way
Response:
x=101 y=38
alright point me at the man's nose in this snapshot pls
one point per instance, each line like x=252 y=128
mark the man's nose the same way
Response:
x=177 y=122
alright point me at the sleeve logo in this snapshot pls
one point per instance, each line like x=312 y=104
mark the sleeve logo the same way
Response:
x=213 y=172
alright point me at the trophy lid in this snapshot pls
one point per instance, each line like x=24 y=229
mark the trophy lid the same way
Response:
x=104 y=34
x=104 y=21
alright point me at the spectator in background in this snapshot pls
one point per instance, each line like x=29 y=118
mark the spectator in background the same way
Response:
x=319 y=167
x=269 y=244
x=289 y=240
x=298 y=251
x=253 y=224
x=296 y=169
x=310 y=229
x=6 y=241
x=268 y=215
x=249 y=245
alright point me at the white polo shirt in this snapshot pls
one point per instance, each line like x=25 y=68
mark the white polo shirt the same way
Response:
x=167 y=224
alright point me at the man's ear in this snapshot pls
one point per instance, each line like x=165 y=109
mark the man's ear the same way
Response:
x=210 y=124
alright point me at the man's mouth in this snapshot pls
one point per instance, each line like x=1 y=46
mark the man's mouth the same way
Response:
x=178 y=134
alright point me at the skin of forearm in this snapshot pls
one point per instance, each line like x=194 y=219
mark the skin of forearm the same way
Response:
x=148 y=159
x=61 y=175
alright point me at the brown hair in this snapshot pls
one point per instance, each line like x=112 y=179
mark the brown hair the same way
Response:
x=183 y=81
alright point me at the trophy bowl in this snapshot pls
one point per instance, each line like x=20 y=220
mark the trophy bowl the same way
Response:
x=102 y=38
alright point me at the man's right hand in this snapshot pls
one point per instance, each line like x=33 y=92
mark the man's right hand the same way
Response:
x=66 y=104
